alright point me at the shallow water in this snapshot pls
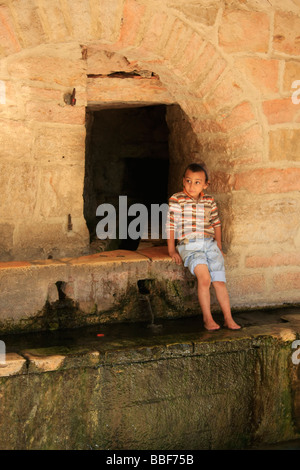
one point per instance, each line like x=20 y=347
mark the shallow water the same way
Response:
x=139 y=333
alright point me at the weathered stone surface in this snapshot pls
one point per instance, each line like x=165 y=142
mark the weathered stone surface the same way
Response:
x=29 y=15
x=256 y=217
x=14 y=365
x=244 y=31
x=262 y=73
x=50 y=240
x=286 y=33
x=274 y=259
x=49 y=69
x=227 y=93
x=59 y=144
x=291 y=74
x=199 y=13
x=22 y=184
x=133 y=90
x=133 y=18
x=104 y=62
x=16 y=140
x=281 y=110
x=287 y=281
x=53 y=112
x=44 y=363
x=9 y=40
x=223 y=383
x=224 y=53
x=60 y=200
x=284 y=145
x=6 y=240
x=191 y=51
x=269 y=180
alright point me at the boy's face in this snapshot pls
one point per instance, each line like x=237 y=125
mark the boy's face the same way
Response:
x=194 y=183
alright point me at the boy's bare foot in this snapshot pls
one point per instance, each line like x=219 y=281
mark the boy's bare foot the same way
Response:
x=211 y=325
x=231 y=325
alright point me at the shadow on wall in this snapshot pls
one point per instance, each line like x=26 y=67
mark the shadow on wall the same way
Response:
x=141 y=153
x=126 y=154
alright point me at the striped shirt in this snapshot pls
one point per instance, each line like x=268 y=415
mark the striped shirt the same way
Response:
x=190 y=218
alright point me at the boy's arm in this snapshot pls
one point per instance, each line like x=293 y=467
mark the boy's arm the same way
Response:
x=171 y=248
x=172 y=220
x=218 y=236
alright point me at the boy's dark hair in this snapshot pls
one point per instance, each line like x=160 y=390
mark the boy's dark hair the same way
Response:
x=194 y=167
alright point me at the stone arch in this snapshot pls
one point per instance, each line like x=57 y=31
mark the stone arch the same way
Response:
x=222 y=126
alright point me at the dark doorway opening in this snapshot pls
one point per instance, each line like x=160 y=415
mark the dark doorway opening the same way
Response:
x=127 y=154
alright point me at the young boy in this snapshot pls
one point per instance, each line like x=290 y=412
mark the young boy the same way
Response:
x=193 y=220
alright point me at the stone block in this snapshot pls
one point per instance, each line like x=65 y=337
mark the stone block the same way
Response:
x=286 y=33
x=104 y=62
x=202 y=63
x=59 y=145
x=14 y=365
x=286 y=281
x=246 y=140
x=191 y=51
x=227 y=93
x=262 y=73
x=267 y=218
x=19 y=189
x=80 y=17
x=110 y=14
x=26 y=15
x=284 y=145
x=57 y=27
x=133 y=90
x=45 y=363
x=49 y=69
x=239 y=115
x=245 y=286
x=33 y=240
x=280 y=111
x=221 y=182
x=16 y=140
x=9 y=41
x=291 y=74
x=268 y=180
x=153 y=32
x=54 y=113
x=133 y=16
x=23 y=295
x=42 y=93
x=176 y=40
x=198 y=13
x=272 y=260
x=206 y=84
x=61 y=196
x=244 y=31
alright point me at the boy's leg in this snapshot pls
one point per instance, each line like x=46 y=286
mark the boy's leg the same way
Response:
x=223 y=299
x=203 y=279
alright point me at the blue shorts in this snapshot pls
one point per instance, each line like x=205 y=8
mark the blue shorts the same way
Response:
x=203 y=251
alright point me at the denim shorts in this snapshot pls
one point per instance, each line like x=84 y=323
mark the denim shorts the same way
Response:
x=203 y=251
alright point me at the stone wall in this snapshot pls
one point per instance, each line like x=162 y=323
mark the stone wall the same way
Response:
x=229 y=66
x=154 y=393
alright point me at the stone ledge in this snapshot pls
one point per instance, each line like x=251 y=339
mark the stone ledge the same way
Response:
x=14 y=365
x=203 y=343
x=116 y=256
x=101 y=287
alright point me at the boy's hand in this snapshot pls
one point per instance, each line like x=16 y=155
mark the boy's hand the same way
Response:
x=175 y=257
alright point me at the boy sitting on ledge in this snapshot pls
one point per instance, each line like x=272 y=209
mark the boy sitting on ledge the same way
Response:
x=193 y=220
